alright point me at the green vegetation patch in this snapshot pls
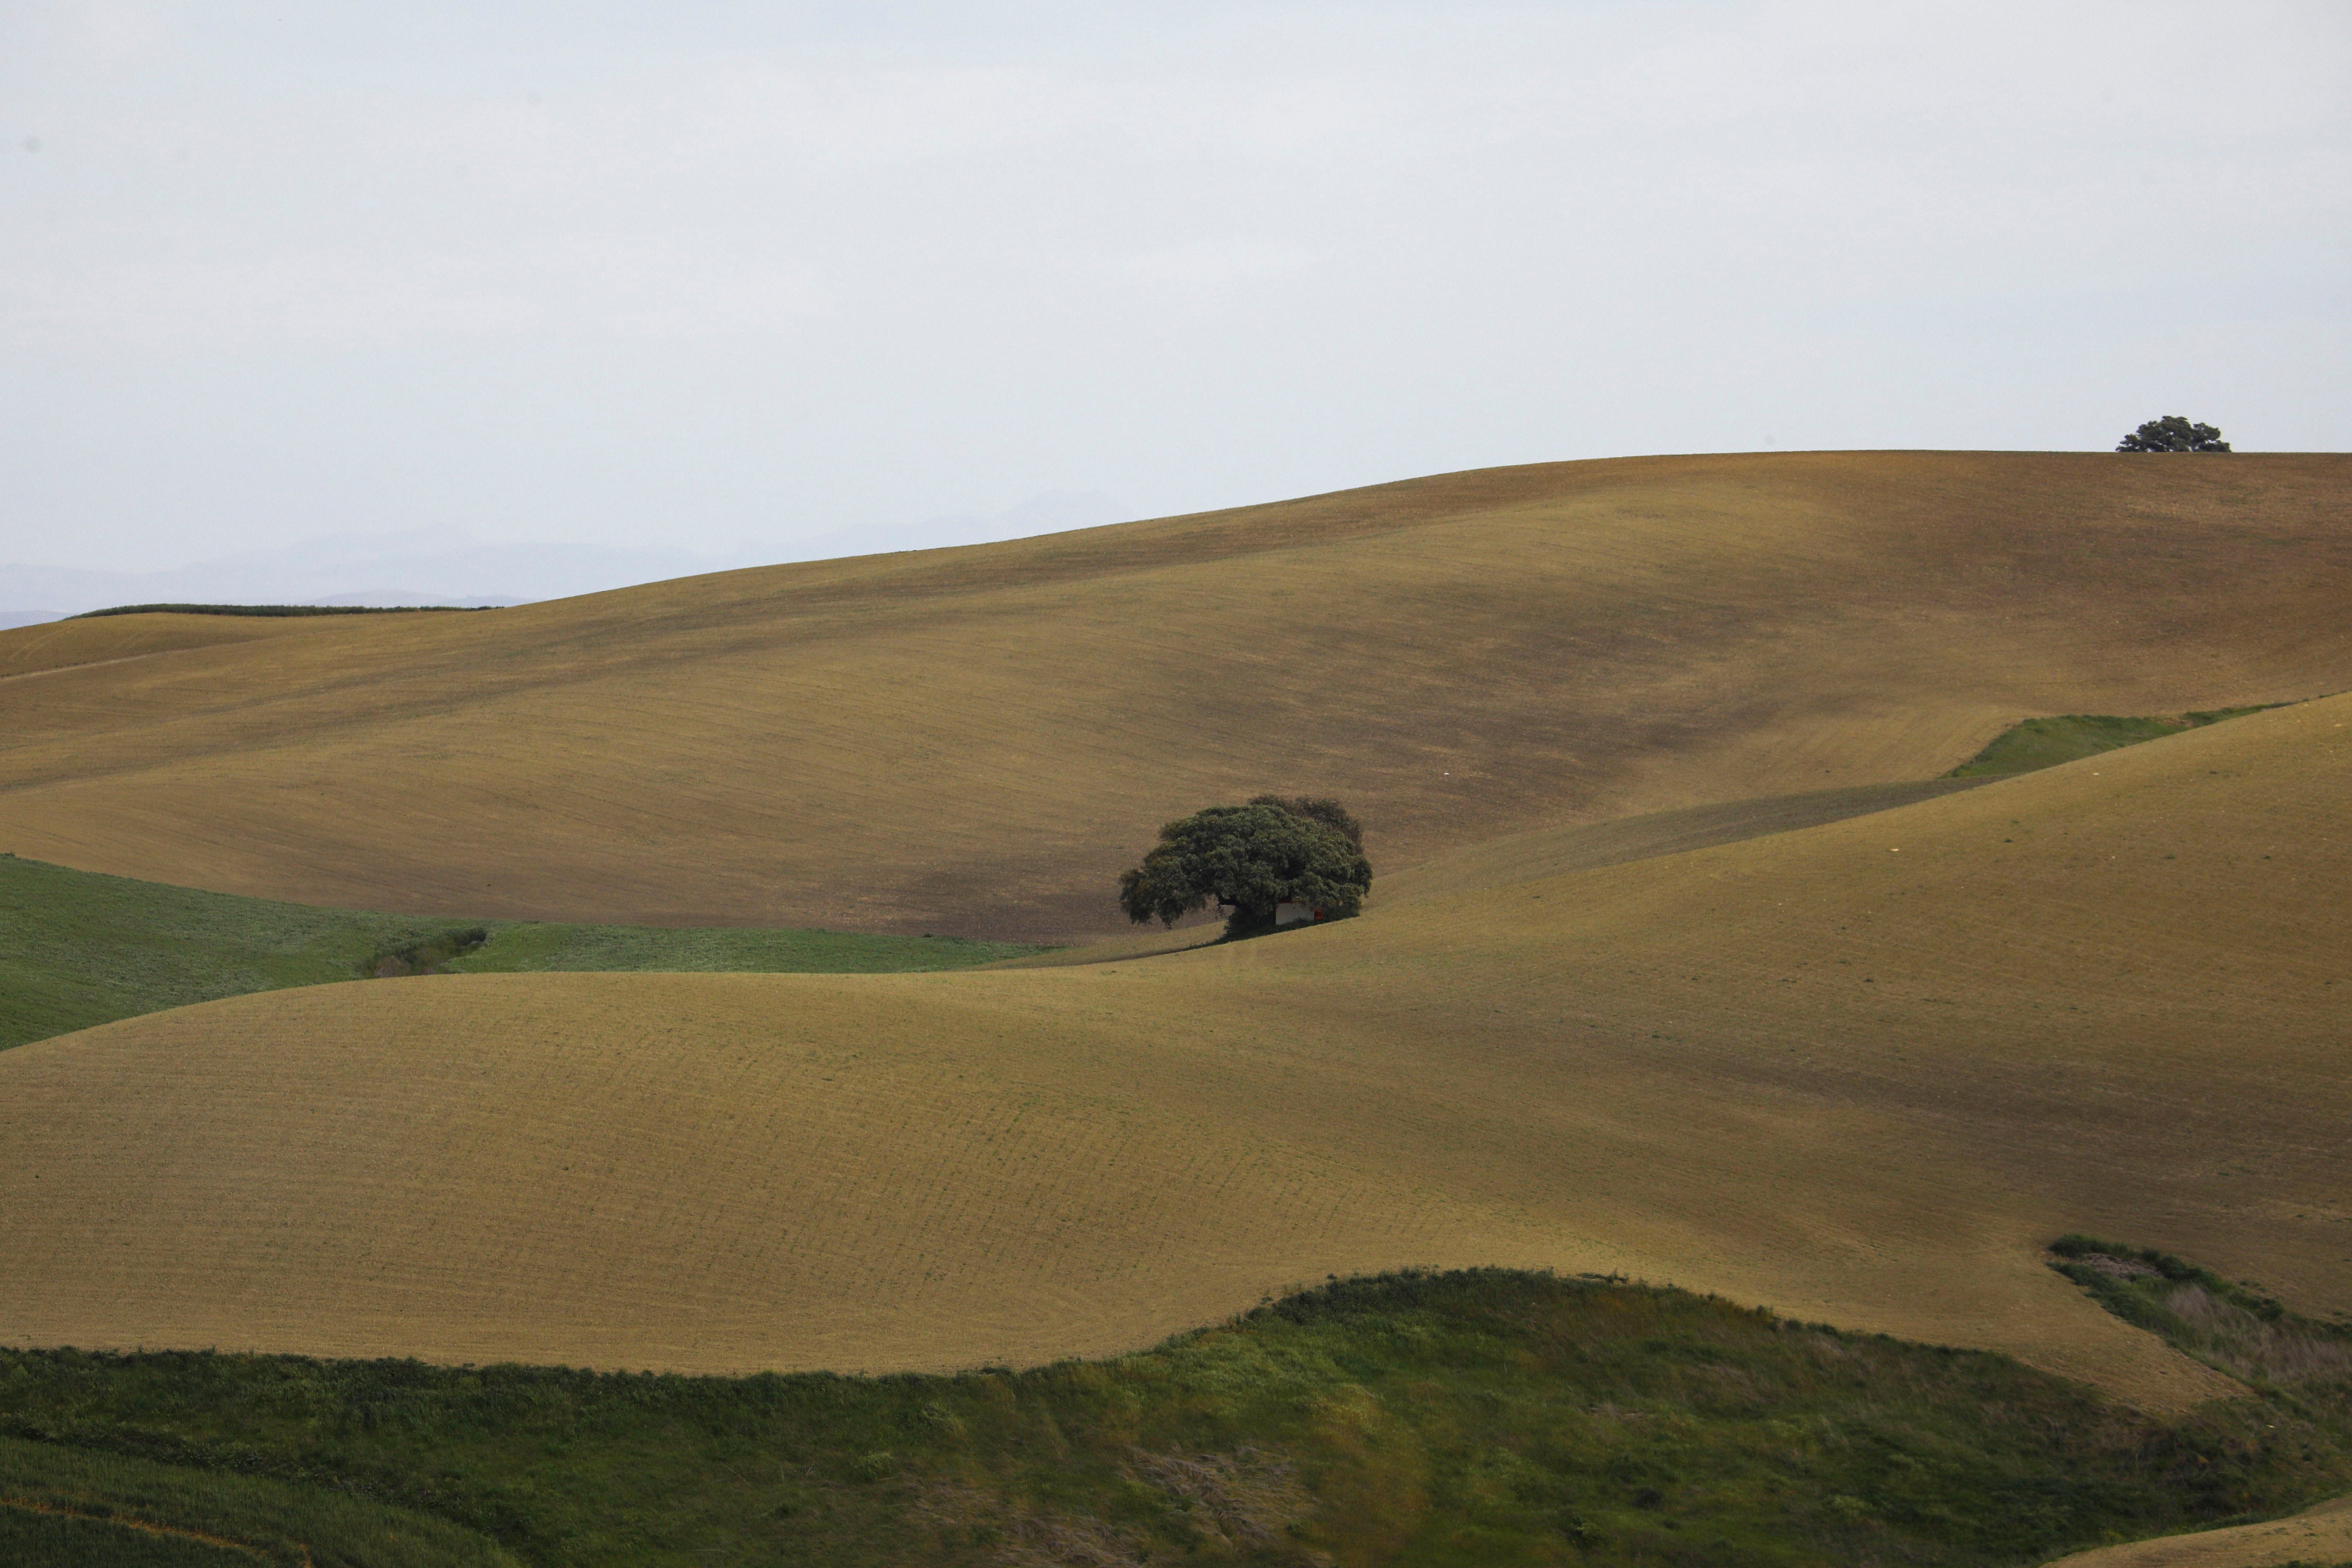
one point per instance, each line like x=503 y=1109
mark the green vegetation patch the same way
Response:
x=1481 y=1418
x=2046 y=742
x=79 y=949
x=2233 y=1326
x=41 y=1539
x=65 y=1507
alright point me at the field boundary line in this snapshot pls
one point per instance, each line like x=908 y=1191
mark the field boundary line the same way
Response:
x=89 y=664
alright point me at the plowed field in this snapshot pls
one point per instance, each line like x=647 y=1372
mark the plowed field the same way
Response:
x=1858 y=1072
x=974 y=741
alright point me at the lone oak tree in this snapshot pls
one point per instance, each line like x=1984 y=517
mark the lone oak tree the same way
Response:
x=1273 y=850
x=2173 y=434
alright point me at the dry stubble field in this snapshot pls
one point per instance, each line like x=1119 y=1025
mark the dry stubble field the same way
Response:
x=974 y=741
x=1858 y=1072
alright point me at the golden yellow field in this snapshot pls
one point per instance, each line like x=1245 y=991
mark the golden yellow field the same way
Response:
x=1858 y=1071
x=974 y=742
x=2318 y=1535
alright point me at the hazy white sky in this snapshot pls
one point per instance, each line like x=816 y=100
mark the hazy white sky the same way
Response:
x=704 y=274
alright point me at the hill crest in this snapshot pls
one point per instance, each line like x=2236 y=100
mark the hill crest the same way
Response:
x=1859 y=1072
x=974 y=741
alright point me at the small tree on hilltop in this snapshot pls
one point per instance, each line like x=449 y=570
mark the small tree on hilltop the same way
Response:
x=1272 y=851
x=2173 y=434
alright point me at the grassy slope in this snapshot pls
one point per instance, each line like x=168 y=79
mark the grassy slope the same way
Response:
x=974 y=742
x=77 y=948
x=1855 y=1072
x=2300 y=1366
x=82 y=1504
x=2046 y=742
x=1481 y=1419
x=53 y=1541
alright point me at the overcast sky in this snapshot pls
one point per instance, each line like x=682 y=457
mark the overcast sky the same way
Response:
x=719 y=276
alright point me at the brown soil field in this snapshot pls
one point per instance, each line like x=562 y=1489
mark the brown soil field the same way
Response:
x=55 y=647
x=1545 y=852
x=1553 y=852
x=1859 y=1072
x=974 y=741
x=2316 y=1537
x=52 y=648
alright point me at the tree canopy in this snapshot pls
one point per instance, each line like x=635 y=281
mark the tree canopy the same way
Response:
x=2173 y=434
x=1273 y=850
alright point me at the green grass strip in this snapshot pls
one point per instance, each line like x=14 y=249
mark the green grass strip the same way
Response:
x=65 y=1507
x=2231 y=1325
x=79 y=949
x=2045 y=743
x=1479 y=1418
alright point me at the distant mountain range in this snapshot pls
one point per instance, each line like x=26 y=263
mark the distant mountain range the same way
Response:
x=448 y=566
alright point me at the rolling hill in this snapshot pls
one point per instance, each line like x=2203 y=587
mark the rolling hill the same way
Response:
x=972 y=741
x=1859 y=1072
x=79 y=947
